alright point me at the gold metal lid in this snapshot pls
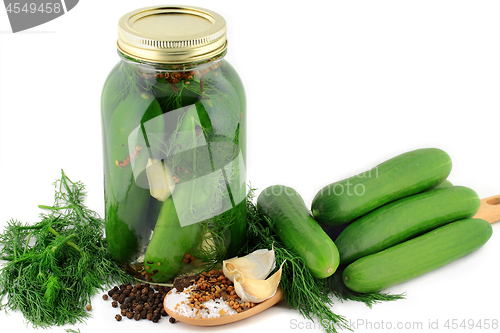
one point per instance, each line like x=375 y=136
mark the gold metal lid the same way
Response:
x=172 y=34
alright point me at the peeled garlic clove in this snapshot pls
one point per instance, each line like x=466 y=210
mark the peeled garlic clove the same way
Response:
x=256 y=265
x=254 y=290
x=161 y=183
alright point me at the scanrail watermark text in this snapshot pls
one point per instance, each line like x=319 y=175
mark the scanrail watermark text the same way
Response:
x=382 y=325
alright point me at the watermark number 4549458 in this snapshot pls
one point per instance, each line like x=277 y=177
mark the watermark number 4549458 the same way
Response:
x=31 y=13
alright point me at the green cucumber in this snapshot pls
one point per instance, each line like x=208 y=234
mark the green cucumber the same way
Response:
x=445 y=183
x=131 y=115
x=405 y=218
x=297 y=229
x=128 y=226
x=169 y=244
x=130 y=210
x=417 y=256
x=401 y=176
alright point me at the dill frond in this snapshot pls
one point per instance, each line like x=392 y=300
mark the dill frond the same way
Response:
x=302 y=291
x=312 y=297
x=56 y=265
x=336 y=285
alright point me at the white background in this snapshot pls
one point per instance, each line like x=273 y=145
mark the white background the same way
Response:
x=333 y=88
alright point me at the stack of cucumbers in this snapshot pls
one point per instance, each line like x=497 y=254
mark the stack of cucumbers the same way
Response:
x=400 y=219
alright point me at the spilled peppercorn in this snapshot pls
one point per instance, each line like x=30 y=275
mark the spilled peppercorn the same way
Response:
x=139 y=301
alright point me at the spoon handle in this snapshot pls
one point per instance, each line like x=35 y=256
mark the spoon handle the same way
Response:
x=489 y=209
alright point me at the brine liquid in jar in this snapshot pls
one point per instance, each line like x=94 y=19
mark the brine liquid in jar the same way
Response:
x=174 y=141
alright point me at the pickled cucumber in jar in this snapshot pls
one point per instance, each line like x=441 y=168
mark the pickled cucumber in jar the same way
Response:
x=174 y=144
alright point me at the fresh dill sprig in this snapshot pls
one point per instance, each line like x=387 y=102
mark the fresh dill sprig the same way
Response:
x=311 y=296
x=56 y=265
x=336 y=285
x=302 y=291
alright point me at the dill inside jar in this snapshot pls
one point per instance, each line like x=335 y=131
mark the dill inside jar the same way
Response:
x=173 y=123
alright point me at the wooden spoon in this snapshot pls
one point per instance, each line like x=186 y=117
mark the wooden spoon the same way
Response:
x=278 y=296
x=489 y=210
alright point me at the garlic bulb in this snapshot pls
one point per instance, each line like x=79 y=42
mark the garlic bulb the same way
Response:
x=256 y=265
x=254 y=290
x=249 y=274
x=161 y=183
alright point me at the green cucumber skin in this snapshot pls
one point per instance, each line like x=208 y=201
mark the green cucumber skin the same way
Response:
x=169 y=244
x=445 y=183
x=135 y=110
x=405 y=218
x=406 y=174
x=297 y=229
x=417 y=256
x=130 y=209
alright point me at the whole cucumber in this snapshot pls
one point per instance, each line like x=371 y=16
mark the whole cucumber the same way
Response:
x=401 y=176
x=169 y=244
x=297 y=229
x=405 y=218
x=130 y=210
x=417 y=256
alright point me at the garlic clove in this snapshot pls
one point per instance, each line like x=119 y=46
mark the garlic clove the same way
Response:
x=256 y=265
x=255 y=290
x=161 y=183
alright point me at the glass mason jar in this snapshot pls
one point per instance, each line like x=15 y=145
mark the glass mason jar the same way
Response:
x=174 y=135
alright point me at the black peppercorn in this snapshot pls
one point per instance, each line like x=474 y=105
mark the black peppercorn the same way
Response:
x=139 y=301
x=172 y=320
x=105 y=297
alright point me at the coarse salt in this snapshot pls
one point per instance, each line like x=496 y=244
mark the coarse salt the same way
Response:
x=214 y=308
